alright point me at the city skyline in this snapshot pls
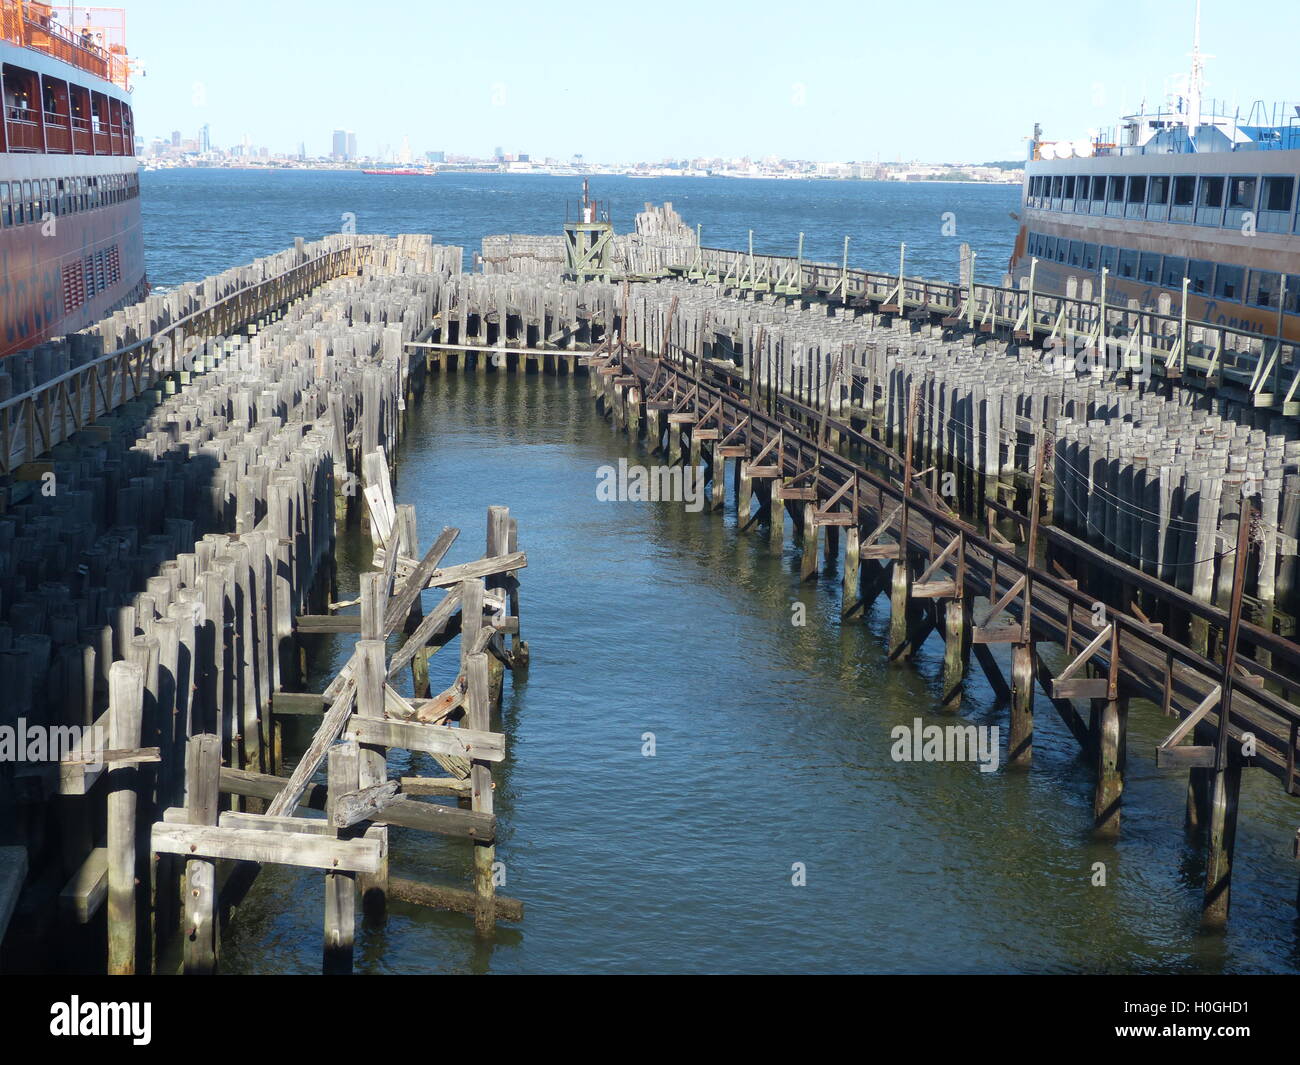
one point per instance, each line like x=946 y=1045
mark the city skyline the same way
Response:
x=795 y=91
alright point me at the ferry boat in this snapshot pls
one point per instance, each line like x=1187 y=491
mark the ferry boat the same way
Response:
x=71 y=247
x=1194 y=203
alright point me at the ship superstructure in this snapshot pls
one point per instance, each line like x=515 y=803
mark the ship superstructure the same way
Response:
x=71 y=247
x=1195 y=203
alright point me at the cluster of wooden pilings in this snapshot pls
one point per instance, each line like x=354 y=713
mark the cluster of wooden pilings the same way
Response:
x=154 y=568
x=362 y=716
x=864 y=488
x=988 y=406
x=1161 y=488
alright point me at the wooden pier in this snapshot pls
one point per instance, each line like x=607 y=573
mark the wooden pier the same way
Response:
x=172 y=482
x=851 y=440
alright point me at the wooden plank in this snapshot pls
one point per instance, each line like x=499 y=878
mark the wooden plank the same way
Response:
x=1184 y=757
x=934 y=590
x=998 y=634
x=432 y=739
x=365 y=804
x=273 y=847
x=1081 y=688
x=86 y=891
x=435 y=786
x=327 y=623
x=441 y=820
x=267 y=786
x=311 y=826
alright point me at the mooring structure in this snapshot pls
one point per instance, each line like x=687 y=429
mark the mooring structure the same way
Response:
x=202 y=447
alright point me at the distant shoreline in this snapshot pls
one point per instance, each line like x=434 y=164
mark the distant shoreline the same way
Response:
x=598 y=173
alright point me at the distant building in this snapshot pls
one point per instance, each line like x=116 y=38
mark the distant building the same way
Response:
x=205 y=138
x=176 y=138
x=339 y=152
x=436 y=157
x=351 y=146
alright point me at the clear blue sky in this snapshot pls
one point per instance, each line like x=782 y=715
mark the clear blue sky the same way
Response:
x=933 y=80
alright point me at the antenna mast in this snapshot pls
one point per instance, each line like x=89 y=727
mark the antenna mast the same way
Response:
x=1195 y=80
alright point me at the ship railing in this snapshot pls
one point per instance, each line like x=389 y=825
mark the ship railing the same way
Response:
x=43 y=34
x=22 y=130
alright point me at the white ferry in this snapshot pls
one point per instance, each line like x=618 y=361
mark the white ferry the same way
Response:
x=1193 y=203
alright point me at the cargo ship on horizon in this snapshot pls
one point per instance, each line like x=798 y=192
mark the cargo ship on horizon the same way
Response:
x=71 y=245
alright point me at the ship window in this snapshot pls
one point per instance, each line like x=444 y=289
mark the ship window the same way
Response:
x=1211 y=192
x=6 y=217
x=1175 y=269
x=1062 y=249
x=1291 y=298
x=1056 y=187
x=1090 y=257
x=1277 y=193
x=1128 y=263
x=1069 y=188
x=1116 y=193
x=1263 y=289
x=1158 y=190
x=1184 y=191
x=1199 y=272
x=29 y=201
x=1228 y=282
x=1076 y=253
x=1108 y=258
x=1241 y=192
x=1099 y=189
x=1149 y=268
x=1137 y=190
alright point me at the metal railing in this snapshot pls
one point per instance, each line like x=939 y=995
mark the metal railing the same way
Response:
x=36 y=26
